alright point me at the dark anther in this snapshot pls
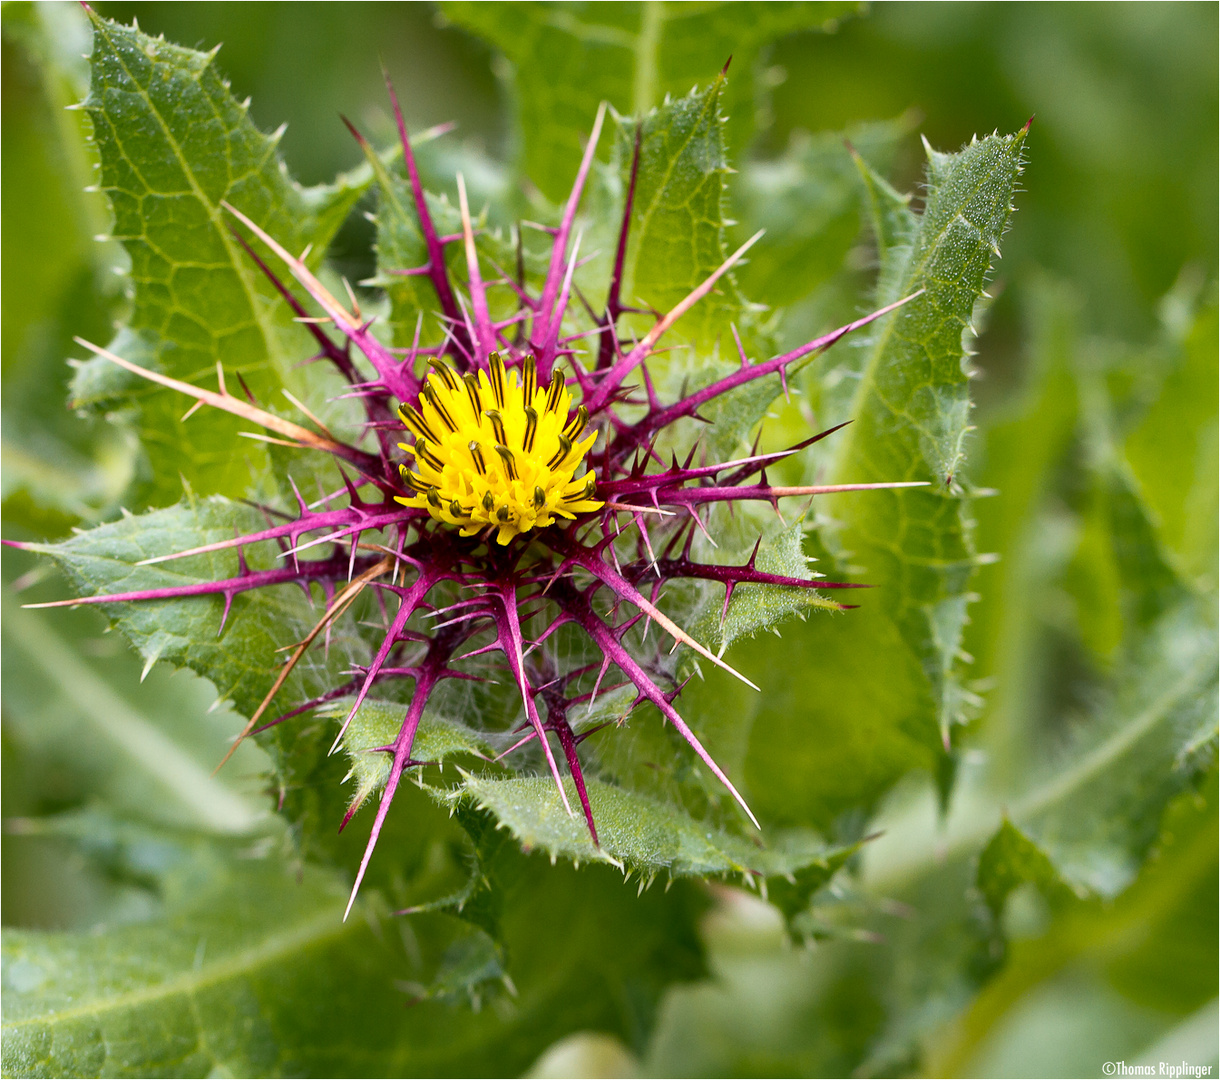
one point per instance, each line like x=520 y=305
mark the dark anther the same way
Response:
x=472 y=392
x=510 y=463
x=411 y=480
x=497 y=424
x=444 y=371
x=577 y=424
x=413 y=419
x=531 y=429
x=576 y=496
x=529 y=385
x=422 y=451
x=497 y=379
x=561 y=455
x=435 y=402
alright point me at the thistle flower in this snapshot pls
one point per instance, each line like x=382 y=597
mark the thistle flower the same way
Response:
x=490 y=452
x=515 y=491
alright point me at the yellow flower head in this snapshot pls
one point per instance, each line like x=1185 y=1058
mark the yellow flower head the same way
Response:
x=491 y=452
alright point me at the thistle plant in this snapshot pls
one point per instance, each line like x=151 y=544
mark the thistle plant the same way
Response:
x=507 y=484
x=553 y=468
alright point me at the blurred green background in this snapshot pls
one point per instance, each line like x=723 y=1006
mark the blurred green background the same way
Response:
x=1108 y=279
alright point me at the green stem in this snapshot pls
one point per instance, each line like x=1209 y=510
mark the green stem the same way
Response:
x=644 y=89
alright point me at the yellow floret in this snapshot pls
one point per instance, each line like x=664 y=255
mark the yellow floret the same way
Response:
x=490 y=451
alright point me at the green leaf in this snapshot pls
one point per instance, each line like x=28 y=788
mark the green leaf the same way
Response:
x=1154 y=734
x=57 y=282
x=1015 y=631
x=1078 y=798
x=173 y=145
x=248 y=969
x=1153 y=945
x=1153 y=729
x=755 y=607
x=164 y=997
x=808 y=199
x=377 y=724
x=821 y=746
x=567 y=58
x=242 y=660
x=809 y=202
x=640 y=834
x=1173 y=451
x=1092 y=799
x=895 y=228
x=677 y=216
x=909 y=398
x=917 y=359
x=792 y=892
x=1010 y=860
x=677 y=239
x=183 y=631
